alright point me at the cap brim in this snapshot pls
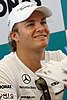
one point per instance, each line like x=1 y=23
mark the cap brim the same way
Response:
x=46 y=11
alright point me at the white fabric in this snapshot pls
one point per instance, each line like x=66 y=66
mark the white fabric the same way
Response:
x=54 y=55
x=12 y=75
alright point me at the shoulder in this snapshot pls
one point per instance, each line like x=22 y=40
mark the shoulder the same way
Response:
x=7 y=71
x=7 y=58
x=6 y=62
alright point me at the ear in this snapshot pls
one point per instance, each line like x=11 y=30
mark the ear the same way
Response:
x=14 y=36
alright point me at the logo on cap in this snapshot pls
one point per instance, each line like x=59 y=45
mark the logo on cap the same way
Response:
x=24 y=6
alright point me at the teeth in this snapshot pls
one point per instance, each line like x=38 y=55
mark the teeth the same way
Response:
x=35 y=36
x=42 y=35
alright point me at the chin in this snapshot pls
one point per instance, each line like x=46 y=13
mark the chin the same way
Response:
x=44 y=44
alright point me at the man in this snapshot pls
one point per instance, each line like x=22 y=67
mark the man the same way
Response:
x=29 y=35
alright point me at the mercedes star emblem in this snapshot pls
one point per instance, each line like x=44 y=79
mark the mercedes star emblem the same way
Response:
x=26 y=78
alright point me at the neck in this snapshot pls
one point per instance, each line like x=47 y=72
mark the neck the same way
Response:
x=30 y=59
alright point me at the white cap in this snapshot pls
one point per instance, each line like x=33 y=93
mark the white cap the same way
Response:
x=23 y=10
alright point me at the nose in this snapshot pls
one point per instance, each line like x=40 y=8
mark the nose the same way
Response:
x=40 y=28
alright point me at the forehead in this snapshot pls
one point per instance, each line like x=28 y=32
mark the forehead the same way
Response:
x=36 y=15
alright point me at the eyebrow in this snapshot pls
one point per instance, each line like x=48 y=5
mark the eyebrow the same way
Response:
x=44 y=18
x=32 y=20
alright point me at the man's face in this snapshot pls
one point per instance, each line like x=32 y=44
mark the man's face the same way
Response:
x=33 y=32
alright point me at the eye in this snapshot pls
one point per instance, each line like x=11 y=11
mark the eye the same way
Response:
x=30 y=25
x=44 y=22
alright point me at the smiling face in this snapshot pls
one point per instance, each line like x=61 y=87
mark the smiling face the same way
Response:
x=33 y=33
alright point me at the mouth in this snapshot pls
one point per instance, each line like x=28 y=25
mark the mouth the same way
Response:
x=41 y=36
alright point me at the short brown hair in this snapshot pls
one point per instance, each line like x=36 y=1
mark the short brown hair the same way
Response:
x=11 y=41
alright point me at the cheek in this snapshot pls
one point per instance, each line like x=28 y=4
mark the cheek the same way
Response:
x=24 y=38
x=47 y=31
x=26 y=35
